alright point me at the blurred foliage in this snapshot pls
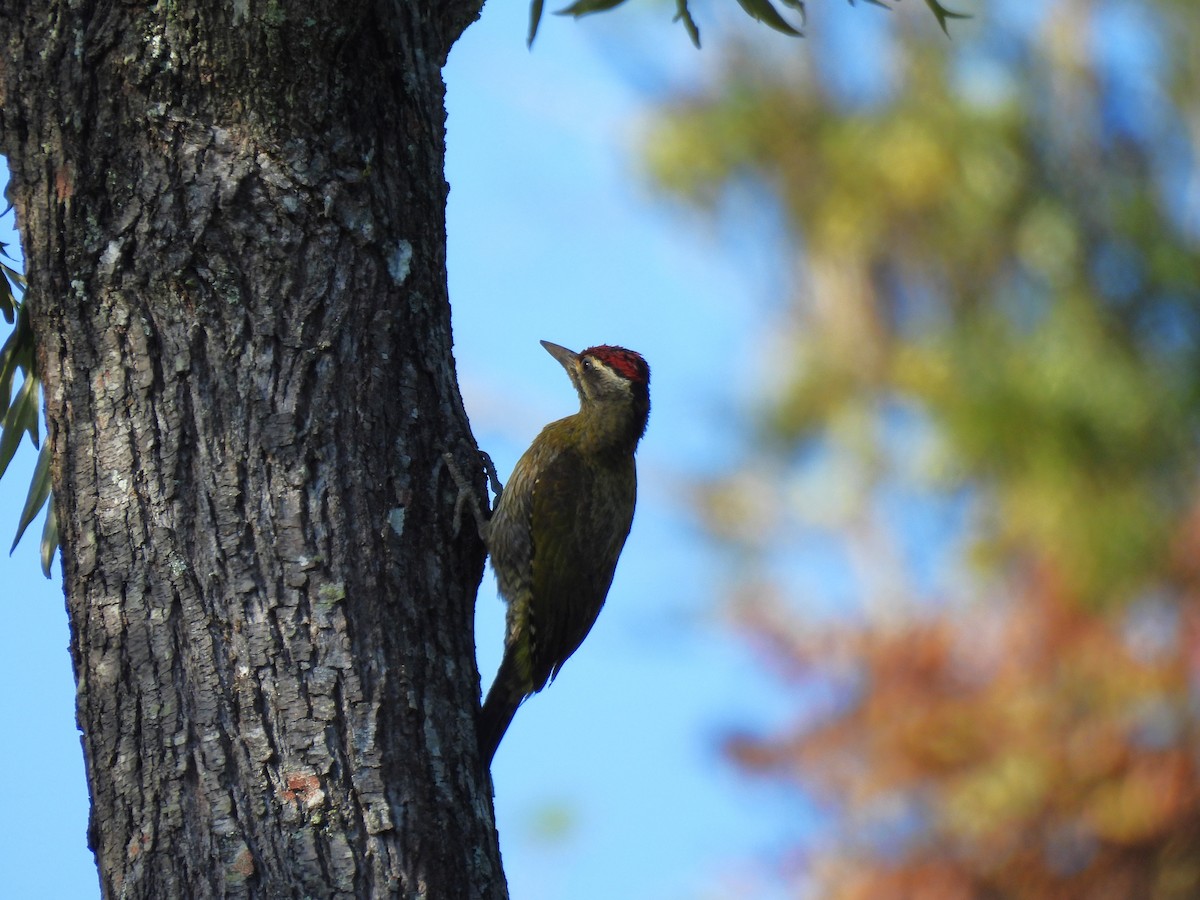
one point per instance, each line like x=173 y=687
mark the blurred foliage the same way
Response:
x=996 y=248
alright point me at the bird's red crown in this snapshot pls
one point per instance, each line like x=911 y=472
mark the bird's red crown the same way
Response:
x=624 y=362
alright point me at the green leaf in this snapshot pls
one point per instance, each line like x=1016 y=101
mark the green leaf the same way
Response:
x=20 y=417
x=49 y=538
x=763 y=11
x=29 y=395
x=8 y=368
x=684 y=15
x=17 y=353
x=535 y=17
x=39 y=490
x=10 y=439
x=12 y=274
x=584 y=7
x=8 y=303
x=942 y=14
x=12 y=278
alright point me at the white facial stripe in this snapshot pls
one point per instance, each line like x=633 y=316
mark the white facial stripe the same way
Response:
x=610 y=377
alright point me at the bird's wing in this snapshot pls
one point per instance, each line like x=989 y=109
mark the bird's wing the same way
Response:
x=571 y=572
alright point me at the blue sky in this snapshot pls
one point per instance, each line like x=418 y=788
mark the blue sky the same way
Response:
x=609 y=784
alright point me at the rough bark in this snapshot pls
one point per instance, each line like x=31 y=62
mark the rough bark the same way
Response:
x=233 y=217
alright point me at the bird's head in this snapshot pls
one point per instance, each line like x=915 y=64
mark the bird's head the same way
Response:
x=608 y=377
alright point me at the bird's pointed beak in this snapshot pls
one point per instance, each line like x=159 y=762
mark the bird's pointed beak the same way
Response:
x=565 y=357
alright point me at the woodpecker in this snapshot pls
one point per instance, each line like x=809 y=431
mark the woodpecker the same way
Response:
x=559 y=526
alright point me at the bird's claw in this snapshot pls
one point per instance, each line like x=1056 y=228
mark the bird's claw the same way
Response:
x=490 y=468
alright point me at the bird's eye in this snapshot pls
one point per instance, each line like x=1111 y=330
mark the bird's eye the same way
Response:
x=587 y=364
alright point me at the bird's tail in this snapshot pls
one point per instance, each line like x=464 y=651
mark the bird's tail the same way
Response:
x=506 y=694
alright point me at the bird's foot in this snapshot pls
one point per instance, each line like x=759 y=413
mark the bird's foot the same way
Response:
x=467 y=495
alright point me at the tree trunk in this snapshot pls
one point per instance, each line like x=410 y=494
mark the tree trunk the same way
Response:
x=233 y=218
